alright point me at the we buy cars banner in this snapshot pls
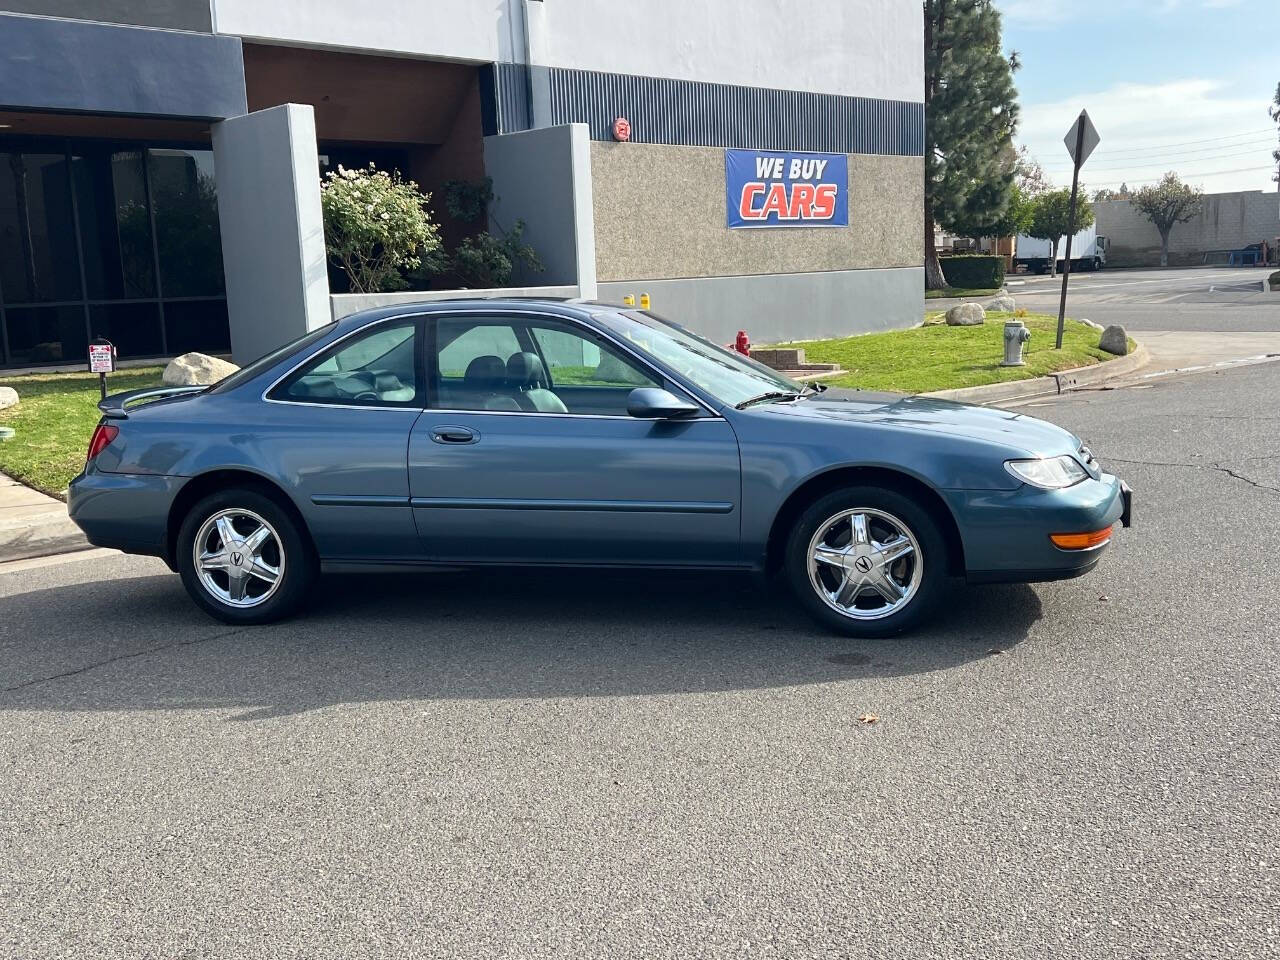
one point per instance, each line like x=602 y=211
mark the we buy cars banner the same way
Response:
x=772 y=189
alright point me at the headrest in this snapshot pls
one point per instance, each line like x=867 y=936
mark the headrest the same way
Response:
x=525 y=370
x=485 y=372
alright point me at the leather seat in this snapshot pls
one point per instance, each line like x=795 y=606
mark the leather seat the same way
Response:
x=484 y=385
x=528 y=378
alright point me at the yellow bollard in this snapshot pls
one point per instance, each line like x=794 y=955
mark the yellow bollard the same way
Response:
x=629 y=300
x=644 y=301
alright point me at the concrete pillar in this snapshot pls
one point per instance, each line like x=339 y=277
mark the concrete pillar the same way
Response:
x=272 y=229
x=537 y=56
x=543 y=177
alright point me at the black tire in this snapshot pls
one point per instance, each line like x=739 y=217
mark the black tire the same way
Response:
x=932 y=557
x=297 y=562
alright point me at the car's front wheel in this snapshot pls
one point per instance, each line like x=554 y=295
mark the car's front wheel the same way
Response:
x=243 y=558
x=867 y=562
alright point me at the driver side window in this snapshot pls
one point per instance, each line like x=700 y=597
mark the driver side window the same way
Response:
x=376 y=369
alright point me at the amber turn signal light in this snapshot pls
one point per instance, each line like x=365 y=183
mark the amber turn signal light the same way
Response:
x=1081 y=541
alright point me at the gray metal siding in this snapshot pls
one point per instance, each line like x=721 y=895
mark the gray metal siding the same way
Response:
x=86 y=67
x=689 y=113
x=172 y=14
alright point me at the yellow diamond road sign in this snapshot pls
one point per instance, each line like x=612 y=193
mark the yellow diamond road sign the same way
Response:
x=1091 y=138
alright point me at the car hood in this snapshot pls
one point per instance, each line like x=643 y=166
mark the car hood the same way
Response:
x=929 y=414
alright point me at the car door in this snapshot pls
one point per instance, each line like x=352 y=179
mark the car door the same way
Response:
x=526 y=453
x=337 y=429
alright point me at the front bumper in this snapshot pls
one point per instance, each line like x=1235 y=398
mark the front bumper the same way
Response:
x=1006 y=532
x=123 y=511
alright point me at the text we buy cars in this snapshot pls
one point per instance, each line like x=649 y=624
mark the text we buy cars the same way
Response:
x=778 y=189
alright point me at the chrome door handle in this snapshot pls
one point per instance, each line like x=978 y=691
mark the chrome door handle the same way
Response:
x=454 y=435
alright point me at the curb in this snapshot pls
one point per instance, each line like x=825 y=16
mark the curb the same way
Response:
x=33 y=524
x=1051 y=385
x=40 y=536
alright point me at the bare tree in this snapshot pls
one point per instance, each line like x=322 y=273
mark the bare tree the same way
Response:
x=1167 y=203
x=1274 y=111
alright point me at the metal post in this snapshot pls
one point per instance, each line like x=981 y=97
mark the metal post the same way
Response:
x=1071 y=231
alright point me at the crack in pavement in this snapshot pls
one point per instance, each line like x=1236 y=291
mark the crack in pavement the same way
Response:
x=124 y=656
x=1219 y=467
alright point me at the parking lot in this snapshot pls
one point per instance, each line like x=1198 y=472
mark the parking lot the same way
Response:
x=1218 y=299
x=607 y=764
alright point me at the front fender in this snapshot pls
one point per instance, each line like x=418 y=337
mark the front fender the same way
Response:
x=775 y=467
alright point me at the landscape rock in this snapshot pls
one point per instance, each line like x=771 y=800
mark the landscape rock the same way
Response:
x=1114 y=340
x=966 y=315
x=196 y=369
x=1002 y=302
x=8 y=397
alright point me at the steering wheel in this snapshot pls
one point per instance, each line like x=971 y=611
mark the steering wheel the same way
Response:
x=367 y=395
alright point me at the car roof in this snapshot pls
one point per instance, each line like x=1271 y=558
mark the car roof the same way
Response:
x=560 y=306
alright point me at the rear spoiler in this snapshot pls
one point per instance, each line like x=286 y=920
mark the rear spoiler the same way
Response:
x=116 y=406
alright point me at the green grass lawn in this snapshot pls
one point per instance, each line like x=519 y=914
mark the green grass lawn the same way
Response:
x=53 y=420
x=938 y=357
x=961 y=292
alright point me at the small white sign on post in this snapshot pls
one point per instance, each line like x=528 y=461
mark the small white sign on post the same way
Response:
x=101 y=358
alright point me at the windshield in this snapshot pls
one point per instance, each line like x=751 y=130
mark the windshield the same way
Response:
x=245 y=374
x=726 y=375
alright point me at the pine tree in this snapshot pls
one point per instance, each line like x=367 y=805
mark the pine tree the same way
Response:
x=971 y=112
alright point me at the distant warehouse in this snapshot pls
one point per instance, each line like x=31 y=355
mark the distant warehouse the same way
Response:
x=1227 y=222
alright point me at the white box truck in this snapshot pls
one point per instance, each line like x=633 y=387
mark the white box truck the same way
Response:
x=1088 y=252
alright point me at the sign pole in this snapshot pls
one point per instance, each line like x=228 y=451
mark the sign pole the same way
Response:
x=1071 y=229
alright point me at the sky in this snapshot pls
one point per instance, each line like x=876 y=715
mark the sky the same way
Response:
x=1178 y=85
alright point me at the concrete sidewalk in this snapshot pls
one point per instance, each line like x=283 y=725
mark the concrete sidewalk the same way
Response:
x=1191 y=350
x=34 y=525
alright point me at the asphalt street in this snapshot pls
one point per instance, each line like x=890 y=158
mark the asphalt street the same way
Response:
x=606 y=765
x=1208 y=298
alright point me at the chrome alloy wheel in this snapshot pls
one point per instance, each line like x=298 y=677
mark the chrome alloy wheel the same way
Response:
x=865 y=564
x=238 y=558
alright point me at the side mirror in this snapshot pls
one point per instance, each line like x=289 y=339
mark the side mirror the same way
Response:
x=652 y=403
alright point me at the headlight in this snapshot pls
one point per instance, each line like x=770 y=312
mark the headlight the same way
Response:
x=1053 y=474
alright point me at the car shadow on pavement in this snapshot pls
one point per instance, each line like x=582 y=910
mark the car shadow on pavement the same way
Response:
x=139 y=644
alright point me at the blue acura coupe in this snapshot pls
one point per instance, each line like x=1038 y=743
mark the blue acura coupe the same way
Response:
x=573 y=434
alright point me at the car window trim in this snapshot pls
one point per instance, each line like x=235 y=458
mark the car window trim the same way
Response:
x=420 y=321
x=643 y=362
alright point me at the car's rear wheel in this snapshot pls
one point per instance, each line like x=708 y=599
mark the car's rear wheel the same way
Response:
x=243 y=558
x=867 y=562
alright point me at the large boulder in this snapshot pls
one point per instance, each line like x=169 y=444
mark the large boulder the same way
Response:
x=196 y=369
x=8 y=397
x=966 y=315
x=1114 y=340
x=1002 y=302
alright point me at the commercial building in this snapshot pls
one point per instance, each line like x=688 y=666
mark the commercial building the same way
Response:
x=160 y=160
x=1225 y=222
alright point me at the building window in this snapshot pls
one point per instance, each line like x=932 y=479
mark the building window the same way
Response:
x=107 y=239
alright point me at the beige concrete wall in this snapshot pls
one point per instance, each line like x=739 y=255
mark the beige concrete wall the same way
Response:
x=1226 y=221
x=660 y=212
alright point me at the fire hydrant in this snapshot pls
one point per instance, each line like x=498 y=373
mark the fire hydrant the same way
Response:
x=1015 y=335
x=742 y=344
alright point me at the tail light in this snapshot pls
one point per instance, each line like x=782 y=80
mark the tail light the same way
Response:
x=103 y=434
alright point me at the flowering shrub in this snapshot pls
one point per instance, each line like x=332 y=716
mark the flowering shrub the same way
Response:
x=375 y=226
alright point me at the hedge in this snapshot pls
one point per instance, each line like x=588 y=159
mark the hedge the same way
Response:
x=974 y=272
